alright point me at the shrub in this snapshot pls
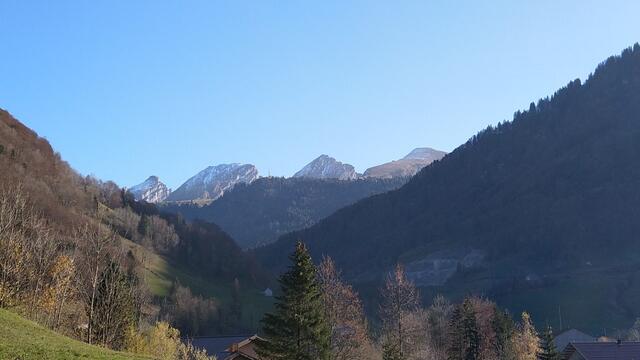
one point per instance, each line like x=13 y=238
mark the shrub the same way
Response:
x=163 y=342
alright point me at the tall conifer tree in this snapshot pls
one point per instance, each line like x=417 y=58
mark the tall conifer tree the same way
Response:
x=470 y=329
x=456 y=348
x=503 y=327
x=465 y=337
x=298 y=329
x=548 y=349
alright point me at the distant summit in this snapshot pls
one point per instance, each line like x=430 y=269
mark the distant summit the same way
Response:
x=407 y=166
x=151 y=190
x=326 y=167
x=212 y=182
x=425 y=154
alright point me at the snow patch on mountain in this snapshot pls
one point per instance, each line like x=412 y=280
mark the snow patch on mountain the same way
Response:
x=212 y=182
x=151 y=190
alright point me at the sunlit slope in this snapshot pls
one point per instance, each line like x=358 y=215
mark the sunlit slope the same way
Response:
x=24 y=339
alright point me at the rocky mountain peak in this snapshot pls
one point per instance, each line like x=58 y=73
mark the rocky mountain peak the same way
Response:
x=408 y=165
x=212 y=182
x=151 y=190
x=326 y=167
x=425 y=153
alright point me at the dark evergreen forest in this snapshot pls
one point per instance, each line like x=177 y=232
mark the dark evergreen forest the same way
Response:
x=550 y=199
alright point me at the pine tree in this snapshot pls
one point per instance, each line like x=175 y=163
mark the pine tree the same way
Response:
x=548 y=349
x=465 y=338
x=504 y=328
x=455 y=350
x=144 y=226
x=298 y=329
x=470 y=330
x=115 y=308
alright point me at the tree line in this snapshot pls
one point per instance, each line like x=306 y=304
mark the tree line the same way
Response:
x=319 y=316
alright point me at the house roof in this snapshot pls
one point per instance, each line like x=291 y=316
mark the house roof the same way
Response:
x=218 y=345
x=244 y=349
x=572 y=335
x=603 y=350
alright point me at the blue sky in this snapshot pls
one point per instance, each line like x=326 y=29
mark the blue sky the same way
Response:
x=126 y=89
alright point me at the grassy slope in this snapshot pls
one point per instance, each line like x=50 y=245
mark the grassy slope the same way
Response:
x=24 y=339
x=160 y=274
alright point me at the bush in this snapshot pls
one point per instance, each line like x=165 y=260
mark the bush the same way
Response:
x=163 y=342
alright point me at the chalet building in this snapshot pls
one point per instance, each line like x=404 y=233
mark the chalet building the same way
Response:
x=228 y=347
x=601 y=350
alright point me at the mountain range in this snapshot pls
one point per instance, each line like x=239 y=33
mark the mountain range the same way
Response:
x=212 y=182
x=257 y=212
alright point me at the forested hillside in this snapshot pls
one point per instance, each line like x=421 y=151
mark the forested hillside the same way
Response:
x=28 y=161
x=80 y=256
x=257 y=213
x=536 y=212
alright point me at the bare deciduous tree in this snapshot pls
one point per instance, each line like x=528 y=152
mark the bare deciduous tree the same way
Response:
x=15 y=217
x=349 y=338
x=437 y=321
x=526 y=343
x=94 y=245
x=400 y=302
x=28 y=251
x=33 y=267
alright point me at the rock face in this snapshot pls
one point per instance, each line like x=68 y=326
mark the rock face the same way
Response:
x=211 y=183
x=151 y=190
x=438 y=267
x=407 y=166
x=326 y=167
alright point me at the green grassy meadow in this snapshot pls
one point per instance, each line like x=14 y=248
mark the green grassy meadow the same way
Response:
x=25 y=340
